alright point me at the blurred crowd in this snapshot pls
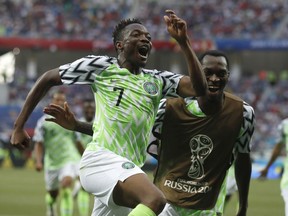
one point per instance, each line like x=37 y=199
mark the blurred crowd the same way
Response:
x=95 y=19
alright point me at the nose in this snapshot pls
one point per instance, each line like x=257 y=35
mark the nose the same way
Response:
x=143 y=38
x=214 y=78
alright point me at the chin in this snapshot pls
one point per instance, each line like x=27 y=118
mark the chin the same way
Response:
x=215 y=95
x=142 y=64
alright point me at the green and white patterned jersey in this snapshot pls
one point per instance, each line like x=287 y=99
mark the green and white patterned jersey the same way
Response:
x=126 y=103
x=59 y=144
x=283 y=137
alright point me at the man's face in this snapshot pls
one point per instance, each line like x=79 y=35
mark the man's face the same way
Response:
x=89 y=111
x=217 y=74
x=59 y=99
x=136 y=44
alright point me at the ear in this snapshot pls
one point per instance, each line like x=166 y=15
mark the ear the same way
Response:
x=119 y=45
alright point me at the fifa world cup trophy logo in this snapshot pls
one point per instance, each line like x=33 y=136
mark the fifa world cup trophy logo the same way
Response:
x=201 y=146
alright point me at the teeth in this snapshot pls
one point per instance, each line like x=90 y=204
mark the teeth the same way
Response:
x=213 y=88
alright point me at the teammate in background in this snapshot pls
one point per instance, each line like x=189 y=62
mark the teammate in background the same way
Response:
x=199 y=138
x=61 y=158
x=83 y=198
x=88 y=116
x=127 y=98
x=281 y=142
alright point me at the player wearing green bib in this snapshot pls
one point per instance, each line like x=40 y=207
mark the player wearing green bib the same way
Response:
x=127 y=98
x=61 y=160
x=197 y=139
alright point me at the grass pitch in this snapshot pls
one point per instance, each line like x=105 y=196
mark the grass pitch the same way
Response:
x=22 y=194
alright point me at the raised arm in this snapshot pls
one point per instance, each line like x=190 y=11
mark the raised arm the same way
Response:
x=65 y=118
x=177 y=28
x=20 y=138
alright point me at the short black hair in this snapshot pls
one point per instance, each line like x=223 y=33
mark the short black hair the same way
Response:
x=120 y=26
x=216 y=53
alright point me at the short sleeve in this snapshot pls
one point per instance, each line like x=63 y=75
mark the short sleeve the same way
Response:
x=39 y=132
x=170 y=83
x=280 y=134
x=84 y=70
x=155 y=136
x=247 y=130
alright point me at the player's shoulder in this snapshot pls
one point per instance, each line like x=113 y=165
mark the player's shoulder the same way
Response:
x=43 y=117
x=233 y=97
x=159 y=73
x=152 y=72
x=100 y=59
x=248 y=110
x=238 y=99
x=42 y=120
x=285 y=121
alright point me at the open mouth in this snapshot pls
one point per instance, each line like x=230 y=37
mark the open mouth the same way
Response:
x=143 y=51
x=213 y=89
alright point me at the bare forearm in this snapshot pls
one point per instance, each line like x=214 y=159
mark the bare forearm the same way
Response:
x=196 y=74
x=84 y=127
x=41 y=87
x=276 y=152
x=243 y=175
x=38 y=151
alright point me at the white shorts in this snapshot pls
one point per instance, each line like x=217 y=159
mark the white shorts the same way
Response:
x=103 y=210
x=99 y=173
x=54 y=177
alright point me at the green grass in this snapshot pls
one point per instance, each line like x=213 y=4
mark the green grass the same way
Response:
x=22 y=194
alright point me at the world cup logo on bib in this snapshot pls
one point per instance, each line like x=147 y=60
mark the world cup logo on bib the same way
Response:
x=201 y=146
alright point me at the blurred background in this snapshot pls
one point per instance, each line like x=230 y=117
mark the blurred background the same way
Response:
x=38 y=35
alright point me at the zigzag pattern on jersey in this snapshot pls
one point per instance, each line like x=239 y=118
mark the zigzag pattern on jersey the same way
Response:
x=84 y=69
x=247 y=128
x=135 y=153
x=156 y=130
x=168 y=80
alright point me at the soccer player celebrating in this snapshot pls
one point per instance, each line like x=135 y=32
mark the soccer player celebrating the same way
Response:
x=199 y=140
x=127 y=98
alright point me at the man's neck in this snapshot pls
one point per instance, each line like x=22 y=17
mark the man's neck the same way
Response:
x=123 y=63
x=210 y=107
